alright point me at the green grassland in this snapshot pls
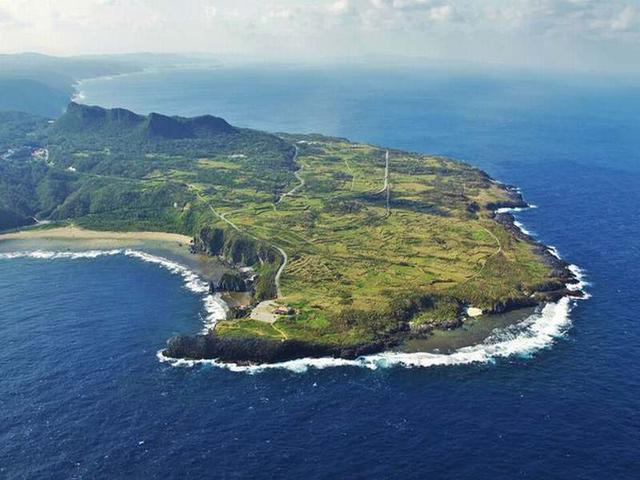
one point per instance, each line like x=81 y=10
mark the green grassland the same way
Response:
x=355 y=270
x=358 y=269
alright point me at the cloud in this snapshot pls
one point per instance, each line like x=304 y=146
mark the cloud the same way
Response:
x=210 y=12
x=627 y=20
x=502 y=30
x=442 y=13
x=6 y=19
x=340 y=7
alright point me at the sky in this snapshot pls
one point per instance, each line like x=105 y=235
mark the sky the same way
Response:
x=600 y=35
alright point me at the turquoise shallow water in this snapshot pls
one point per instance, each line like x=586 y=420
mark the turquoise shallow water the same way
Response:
x=84 y=396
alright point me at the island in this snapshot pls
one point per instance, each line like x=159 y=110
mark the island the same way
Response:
x=326 y=247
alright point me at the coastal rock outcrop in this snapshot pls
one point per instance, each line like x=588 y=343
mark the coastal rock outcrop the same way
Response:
x=233 y=246
x=230 y=282
x=259 y=350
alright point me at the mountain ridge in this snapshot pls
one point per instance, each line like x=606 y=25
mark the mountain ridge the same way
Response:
x=120 y=121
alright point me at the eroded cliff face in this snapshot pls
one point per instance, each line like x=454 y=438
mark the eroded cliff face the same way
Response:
x=240 y=250
x=259 y=350
x=231 y=282
x=234 y=247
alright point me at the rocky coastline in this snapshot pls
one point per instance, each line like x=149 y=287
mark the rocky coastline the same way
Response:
x=562 y=275
x=256 y=350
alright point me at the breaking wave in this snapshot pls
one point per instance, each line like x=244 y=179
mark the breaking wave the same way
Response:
x=515 y=209
x=49 y=255
x=215 y=308
x=537 y=332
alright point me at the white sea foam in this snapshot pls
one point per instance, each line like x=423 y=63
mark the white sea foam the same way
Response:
x=522 y=228
x=50 y=255
x=537 y=332
x=582 y=282
x=554 y=251
x=515 y=209
x=517 y=223
x=191 y=280
x=216 y=309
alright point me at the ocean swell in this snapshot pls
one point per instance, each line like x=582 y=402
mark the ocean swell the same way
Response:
x=537 y=332
x=214 y=307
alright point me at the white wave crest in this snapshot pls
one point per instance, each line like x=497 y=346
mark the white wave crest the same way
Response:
x=515 y=209
x=517 y=223
x=49 y=255
x=216 y=309
x=537 y=332
x=522 y=228
x=533 y=334
x=191 y=279
x=554 y=251
x=582 y=282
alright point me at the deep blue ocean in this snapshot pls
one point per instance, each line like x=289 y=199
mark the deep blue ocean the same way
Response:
x=82 y=394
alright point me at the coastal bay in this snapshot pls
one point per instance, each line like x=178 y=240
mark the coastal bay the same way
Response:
x=71 y=238
x=345 y=248
x=84 y=392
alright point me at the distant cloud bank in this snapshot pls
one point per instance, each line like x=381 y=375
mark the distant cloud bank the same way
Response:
x=599 y=34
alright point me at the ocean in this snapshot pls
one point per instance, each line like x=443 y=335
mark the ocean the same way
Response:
x=84 y=394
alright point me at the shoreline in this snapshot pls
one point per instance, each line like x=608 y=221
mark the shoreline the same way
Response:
x=557 y=296
x=173 y=247
x=251 y=354
x=72 y=232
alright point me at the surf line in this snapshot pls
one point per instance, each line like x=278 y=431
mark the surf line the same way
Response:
x=537 y=332
x=215 y=308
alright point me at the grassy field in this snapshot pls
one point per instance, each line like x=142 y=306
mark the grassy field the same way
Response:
x=351 y=262
x=363 y=261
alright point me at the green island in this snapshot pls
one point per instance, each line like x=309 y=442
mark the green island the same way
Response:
x=342 y=248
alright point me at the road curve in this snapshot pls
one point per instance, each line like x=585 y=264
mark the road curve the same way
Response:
x=283 y=265
x=385 y=187
x=297 y=175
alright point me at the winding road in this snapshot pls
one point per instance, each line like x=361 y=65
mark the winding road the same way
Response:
x=386 y=174
x=497 y=252
x=283 y=265
x=385 y=187
x=298 y=176
x=285 y=257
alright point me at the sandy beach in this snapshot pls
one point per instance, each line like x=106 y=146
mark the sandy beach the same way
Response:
x=72 y=232
x=172 y=246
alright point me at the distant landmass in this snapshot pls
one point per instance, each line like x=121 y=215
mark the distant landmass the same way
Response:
x=25 y=95
x=338 y=248
x=44 y=85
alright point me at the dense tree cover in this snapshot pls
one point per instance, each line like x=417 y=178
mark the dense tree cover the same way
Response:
x=18 y=129
x=32 y=96
x=120 y=167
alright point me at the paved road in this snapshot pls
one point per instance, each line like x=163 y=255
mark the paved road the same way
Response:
x=298 y=176
x=386 y=187
x=386 y=174
x=285 y=258
x=497 y=252
x=283 y=265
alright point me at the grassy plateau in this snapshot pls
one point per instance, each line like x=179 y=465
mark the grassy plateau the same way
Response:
x=377 y=241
